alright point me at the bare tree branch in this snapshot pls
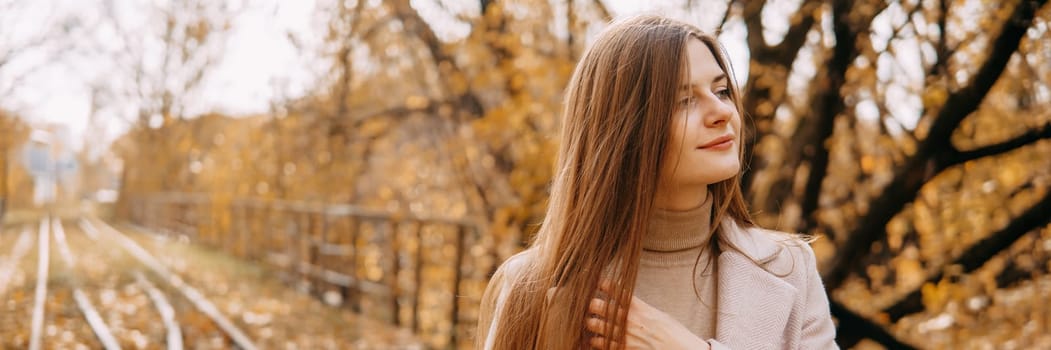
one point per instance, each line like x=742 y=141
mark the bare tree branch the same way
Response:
x=602 y=10
x=830 y=102
x=11 y=47
x=825 y=92
x=979 y=253
x=484 y=5
x=896 y=30
x=753 y=19
x=800 y=24
x=920 y=168
x=414 y=24
x=1029 y=137
x=54 y=41
x=1015 y=272
x=346 y=64
x=726 y=15
x=961 y=103
x=853 y=327
x=830 y=106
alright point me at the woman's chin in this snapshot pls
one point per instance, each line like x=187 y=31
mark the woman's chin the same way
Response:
x=719 y=172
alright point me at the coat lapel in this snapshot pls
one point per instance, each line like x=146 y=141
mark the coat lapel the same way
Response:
x=754 y=304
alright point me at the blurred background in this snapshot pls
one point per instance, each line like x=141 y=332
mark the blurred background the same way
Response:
x=347 y=174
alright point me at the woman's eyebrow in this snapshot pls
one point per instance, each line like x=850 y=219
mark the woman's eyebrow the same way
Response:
x=690 y=86
x=719 y=78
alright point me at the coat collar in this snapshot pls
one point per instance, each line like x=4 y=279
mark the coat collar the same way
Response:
x=753 y=242
x=753 y=302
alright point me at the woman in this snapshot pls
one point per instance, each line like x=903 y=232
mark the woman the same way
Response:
x=647 y=242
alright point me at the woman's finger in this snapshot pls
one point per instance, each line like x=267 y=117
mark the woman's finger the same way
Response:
x=598 y=307
x=605 y=285
x=598 y=326
x=601 y=343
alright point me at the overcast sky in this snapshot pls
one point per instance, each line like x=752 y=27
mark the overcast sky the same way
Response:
x=57 y=90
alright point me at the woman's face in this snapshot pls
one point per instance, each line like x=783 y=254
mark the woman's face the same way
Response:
x=704 y=143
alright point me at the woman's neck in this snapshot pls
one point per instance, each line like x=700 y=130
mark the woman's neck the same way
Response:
x=680 y=198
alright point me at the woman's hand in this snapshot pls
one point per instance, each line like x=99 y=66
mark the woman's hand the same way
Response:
x=647 y=327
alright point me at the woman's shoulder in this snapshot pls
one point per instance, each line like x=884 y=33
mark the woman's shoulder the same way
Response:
x=794 y=241
x=789 y=253
x=513 y=266
x=496 y=294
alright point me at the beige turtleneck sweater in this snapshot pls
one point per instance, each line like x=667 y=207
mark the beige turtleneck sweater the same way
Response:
x=778 y=304
x=671 y=248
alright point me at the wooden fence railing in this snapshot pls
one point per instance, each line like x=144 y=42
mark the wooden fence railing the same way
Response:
x=422 y=273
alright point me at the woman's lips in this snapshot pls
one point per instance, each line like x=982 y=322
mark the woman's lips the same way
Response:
x=721 y=143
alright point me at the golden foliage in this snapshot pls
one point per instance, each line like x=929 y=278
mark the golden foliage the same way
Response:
x=465 y=128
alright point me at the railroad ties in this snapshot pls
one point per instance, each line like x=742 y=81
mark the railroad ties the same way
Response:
x=103 y=291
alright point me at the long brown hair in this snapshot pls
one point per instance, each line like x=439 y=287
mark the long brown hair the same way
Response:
x=618 y=112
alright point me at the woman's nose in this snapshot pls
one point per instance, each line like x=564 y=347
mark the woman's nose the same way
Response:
x=720 y=113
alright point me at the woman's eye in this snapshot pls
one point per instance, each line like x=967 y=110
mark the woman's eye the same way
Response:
x=723 y=93
x=686 y=101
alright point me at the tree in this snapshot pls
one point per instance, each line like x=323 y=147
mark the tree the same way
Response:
x=13 y=132
x=851 y=164
x=22 y=53
x=876 y=125
x=161 y=60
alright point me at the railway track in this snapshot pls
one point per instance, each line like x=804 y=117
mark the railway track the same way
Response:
x=83 y=284
x=201 y=303
x=9 y=263
x=92 y=293
x=85 y=305
x=40 y=294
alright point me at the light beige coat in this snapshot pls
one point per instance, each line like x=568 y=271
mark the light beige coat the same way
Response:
x=779 y=303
